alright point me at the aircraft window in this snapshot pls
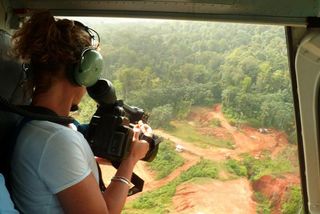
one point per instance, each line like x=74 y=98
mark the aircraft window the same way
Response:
x=220 y=96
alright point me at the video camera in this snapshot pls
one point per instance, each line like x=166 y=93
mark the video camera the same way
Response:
x=110 y=130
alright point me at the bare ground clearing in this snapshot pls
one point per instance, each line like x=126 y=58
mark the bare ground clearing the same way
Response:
x=215 y=196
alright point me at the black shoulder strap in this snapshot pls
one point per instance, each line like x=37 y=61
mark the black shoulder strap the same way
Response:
x=102 y=186
x=39 y=113
x=15 y=133
x=29 y=111
x=9 y=152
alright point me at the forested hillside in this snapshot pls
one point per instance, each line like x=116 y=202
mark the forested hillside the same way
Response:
x=168 y=66
x=208 y=87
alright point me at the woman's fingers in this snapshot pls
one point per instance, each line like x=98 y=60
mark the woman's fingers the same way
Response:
x=136 y=132
x=146 y=130
x=141 y=128
x=139 y=149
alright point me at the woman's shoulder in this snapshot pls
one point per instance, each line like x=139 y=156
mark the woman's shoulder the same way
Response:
x=37 y=135
x=48 y=125
x=43 y=137
x=50 y=128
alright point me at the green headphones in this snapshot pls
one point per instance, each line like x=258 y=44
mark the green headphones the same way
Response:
x=89 y=68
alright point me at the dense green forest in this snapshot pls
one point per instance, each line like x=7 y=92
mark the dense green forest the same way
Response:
x=169 y=68
x=166 y=67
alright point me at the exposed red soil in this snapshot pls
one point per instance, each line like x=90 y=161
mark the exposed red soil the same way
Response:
x=233 y=196
x=275 y=189
x=215 y=196
x=246 y=139
x=215 y=154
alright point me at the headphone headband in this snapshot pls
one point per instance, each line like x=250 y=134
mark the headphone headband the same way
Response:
x=89 y=68
x=94 y=36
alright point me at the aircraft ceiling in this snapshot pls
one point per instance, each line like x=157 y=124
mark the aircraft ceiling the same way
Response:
x=284 y=12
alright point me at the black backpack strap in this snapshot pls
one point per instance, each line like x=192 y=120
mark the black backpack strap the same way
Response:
x=36 y=113
x=28 y=113
x=10 y=149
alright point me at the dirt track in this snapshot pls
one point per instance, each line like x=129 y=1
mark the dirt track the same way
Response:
x=233 y=196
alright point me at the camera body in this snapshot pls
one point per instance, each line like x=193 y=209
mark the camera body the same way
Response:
x=109 y=134
x=110 y=130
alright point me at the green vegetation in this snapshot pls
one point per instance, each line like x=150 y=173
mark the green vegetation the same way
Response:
x=189 y=133
x=294 y=202
x=204 y=168
x=265 y=165
x=166 y=161
x=159 y=200
x=264 y=205
x=161 y=116
x=168 y=67
x=182 y=64
x=215 y=122
x=240 y=121
x=87 y=108
x=290 y=154
x=237 y=168
x=255 y=168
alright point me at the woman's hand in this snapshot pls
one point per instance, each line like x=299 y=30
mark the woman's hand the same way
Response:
x=139 y=148
x=145 y=129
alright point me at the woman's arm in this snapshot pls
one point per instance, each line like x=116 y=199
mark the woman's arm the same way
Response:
x=85 y=196
x=116 y=193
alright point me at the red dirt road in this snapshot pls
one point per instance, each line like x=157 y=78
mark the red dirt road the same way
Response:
x=246 y=139
x=214 y=196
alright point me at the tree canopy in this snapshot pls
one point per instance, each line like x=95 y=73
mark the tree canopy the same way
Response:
x=167 y=67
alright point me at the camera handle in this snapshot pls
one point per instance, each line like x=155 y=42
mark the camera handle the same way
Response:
x=135 y=180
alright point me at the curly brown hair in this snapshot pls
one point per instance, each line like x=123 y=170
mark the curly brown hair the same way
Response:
x=49 y=44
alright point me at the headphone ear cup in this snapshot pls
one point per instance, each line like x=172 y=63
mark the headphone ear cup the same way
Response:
x=89 y=70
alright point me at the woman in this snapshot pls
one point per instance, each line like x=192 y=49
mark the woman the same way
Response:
x=53 y=168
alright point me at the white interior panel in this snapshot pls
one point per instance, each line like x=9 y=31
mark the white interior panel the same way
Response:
x=308 y=73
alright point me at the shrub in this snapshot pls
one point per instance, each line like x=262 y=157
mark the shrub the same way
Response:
x=256 y=168
x=204 y=168
x=264 y=205
x=166 y=161
x=293 y=203
x=159 y=200
x=161 y=116
x=156 y=198
x=236 y=167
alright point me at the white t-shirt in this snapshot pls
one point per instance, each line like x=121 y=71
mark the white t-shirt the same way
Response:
x=47 y=159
